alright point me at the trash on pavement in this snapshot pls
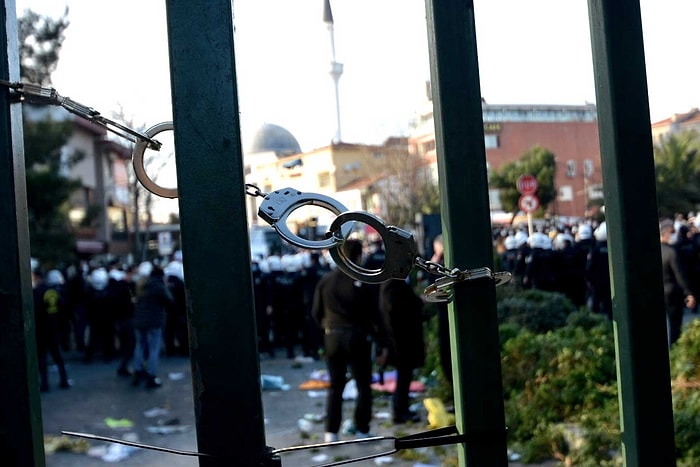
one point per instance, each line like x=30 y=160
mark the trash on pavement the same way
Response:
x=118 y=422
x=319 y=458
x=438 y=417
x=316 y=394
x=305 y=426
x=320 y=375
x=155 y=412
x=389 y=384
x=382 y=415
x=168 y=429
x=53 y=444
x=273 y=383
x=114 y=452
x=176 y=376
x=315 y=417
x=350 y=391
x=314 y=384
x=384 y=460
x=348 y=427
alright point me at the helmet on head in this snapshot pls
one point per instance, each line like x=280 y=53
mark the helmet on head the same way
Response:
x=601 y=233
x=560 y=239
x=117 y=274
x=510 y=243
x=54 y=277
x=274 y=263
x=99 y=278
x=584 y=232
x=174 y=268
x=145 y=269
x=537 y=240
x=520 y=238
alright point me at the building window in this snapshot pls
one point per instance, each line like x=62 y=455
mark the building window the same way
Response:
x=571 y=168
x=566 y=193
x=587 y=168
x=491 y=141
x=324 y=180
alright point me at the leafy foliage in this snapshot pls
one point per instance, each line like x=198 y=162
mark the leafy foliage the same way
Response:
x=685 y=373
x=536 y=161
x=40 y=42
x=536 y=310
x=48 y=190
x=566 y=376
x=677 y=173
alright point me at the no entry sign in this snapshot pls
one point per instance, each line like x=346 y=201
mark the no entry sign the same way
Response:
x=526 y=184
x=528 y=203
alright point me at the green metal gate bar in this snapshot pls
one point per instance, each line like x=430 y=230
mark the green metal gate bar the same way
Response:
x=216 y=251
x=21 y=437
x=467 y=229
x=633 y=234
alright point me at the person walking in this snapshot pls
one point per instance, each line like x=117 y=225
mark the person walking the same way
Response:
x=152 y=301
x=677 y=291
x=347 y=311
x=402 y=311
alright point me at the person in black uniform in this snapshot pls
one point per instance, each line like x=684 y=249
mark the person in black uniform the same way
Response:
x=402 y=311
x=677 y=291
x=347 y=311
x=48 y=301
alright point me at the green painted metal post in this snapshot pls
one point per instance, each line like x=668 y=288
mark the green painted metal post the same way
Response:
x=21 y=438
x=216 y=251
x=467 y=230
x=633 y=235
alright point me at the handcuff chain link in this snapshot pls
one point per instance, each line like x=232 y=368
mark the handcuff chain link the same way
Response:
x=36 y=94
x=254 y=191
x=431 y=267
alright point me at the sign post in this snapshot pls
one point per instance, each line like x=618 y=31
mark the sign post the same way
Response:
x=528 y=202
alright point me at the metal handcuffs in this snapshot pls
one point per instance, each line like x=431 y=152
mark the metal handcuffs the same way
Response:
x=138 y=162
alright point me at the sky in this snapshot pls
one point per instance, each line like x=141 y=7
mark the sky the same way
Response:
x=530 y=52
x=115 y=57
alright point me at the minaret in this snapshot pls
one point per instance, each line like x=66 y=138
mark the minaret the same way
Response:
x=336 y=68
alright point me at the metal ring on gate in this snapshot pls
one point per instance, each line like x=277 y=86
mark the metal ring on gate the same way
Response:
x=278 y=205
x=140 y=169
x=399 y=246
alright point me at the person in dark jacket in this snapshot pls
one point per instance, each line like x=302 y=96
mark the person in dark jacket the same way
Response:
x=152 y=301
x=347 y=311
x=677 y=290
x=121 y=306
x=48 y=302
x=98 y=310
x=402 y=311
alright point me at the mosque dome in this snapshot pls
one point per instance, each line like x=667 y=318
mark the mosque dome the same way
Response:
x=274 y=138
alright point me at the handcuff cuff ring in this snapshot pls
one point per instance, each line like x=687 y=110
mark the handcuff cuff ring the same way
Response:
x=278 y=205
x=398 y=243
x=442 y=290
x=139 y=167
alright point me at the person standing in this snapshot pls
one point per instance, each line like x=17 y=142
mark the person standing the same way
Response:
x=347 y=311
x=677 y=291
x=152 y=301
x=402 y=311
x=48 y=303
x=121 y=304
x=98 y=310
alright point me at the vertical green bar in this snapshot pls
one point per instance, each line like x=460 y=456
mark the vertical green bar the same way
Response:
x=467 y=229
x=633 y=234
x=216 y=251
x=21 y=439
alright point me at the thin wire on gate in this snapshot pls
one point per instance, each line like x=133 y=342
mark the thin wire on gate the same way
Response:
x=437 y=437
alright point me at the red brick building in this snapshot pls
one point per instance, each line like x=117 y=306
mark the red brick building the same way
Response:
x=570 y=132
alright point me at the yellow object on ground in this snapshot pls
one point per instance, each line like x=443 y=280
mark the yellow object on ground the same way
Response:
x=438 y=417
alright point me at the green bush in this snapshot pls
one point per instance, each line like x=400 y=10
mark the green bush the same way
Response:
x=566 y=376
x=536 y=310
x=685 y=374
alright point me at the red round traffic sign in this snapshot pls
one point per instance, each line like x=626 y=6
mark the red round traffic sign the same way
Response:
x=526 y=184
x=528 y=203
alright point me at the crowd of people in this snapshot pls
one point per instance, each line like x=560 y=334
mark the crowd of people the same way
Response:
x=573 y=260
x=135 y=314
x=114 y=312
